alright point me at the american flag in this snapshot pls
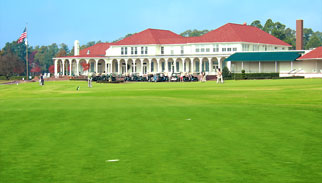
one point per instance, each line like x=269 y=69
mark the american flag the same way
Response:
x=23 y=36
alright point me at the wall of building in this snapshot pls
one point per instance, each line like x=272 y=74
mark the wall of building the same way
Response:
x=285 y=67
x=308 y=66
x=253 y=67
x=197 y=48
x=267 y=67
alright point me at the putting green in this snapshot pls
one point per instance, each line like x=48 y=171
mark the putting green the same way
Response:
x=241 y=131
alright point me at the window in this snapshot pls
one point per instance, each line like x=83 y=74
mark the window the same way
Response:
x=234 y=49
x=202 y=49
x=88 y=52
x=125 y=50
x=136 y=50
x=172 y=52
x=92 y=66
x=275 y=48
x=197 y=50
x=245 y=47
x=265 y=47
x=182 y=50
x=207 y=49
x=255 y=48
x=223 y=49
x=142 y=50
x=122 y=51
x=229 y=49
x=162 y=50
x=169 y=66
x=215 y=48
x=132 y=50
x=146 y=50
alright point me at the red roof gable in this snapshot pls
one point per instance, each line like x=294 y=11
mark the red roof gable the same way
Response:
x=314 y=54
x=240 y=33
x=95 y=50
x=149 y=36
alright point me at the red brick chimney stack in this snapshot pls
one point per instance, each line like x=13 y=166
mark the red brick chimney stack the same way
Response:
x=299 y=34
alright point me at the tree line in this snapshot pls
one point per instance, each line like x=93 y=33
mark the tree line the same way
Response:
x=13 y=55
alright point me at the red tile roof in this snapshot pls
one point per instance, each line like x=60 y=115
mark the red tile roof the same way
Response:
x=97 y=50
x=240 y=33
x=314 y=54
x=227 y=33
x=149 y=36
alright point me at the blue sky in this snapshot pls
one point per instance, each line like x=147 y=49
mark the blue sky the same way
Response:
x=63 y=21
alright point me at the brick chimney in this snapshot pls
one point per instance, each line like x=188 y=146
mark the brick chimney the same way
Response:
x=299 y=34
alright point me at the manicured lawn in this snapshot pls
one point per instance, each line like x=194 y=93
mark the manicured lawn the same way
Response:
x=267 y=131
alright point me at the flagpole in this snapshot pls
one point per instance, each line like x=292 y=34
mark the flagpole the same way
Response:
x=27 y=52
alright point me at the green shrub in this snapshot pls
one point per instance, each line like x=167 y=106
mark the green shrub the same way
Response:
x=17 y=77
x=243 y=75
x=226 y=73
x=4 y=78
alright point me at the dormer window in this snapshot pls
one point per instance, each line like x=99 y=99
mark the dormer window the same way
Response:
x=87 y=52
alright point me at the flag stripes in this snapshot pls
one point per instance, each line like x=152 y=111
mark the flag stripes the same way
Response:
x=23 y=36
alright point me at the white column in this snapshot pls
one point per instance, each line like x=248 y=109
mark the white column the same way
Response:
x=219 y=62
x=141 y=73
x=192 y=65
x=275 y=66
x=175 y=65
x=77 y=67
x=105 y=66
x=63 y=73
x=242 y=65
x=96 y=66
x=134 y=66
x=87 y=62
x=110 y=66
x=126 y=66
x=70 y=67
x=229 y=65
x=158 y=65
x=200 y=64
x=259 y=67
x=55 y=67
x=210 y=65
x=150 y=66
x=291 y=65
x=166 y=65
x=119 y=66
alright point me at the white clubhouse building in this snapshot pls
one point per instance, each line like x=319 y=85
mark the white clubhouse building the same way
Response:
x=156 y=51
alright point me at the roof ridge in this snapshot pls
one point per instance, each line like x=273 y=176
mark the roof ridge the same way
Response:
x=233 y=29
x=153 y=36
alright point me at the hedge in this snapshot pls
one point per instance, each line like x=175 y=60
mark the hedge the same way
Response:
x=12 y=77
x=274 y=75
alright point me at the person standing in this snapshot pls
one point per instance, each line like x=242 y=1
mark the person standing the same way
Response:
x=204 y=77
x=42 y=80
x=219 y=76
x=89 y=80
